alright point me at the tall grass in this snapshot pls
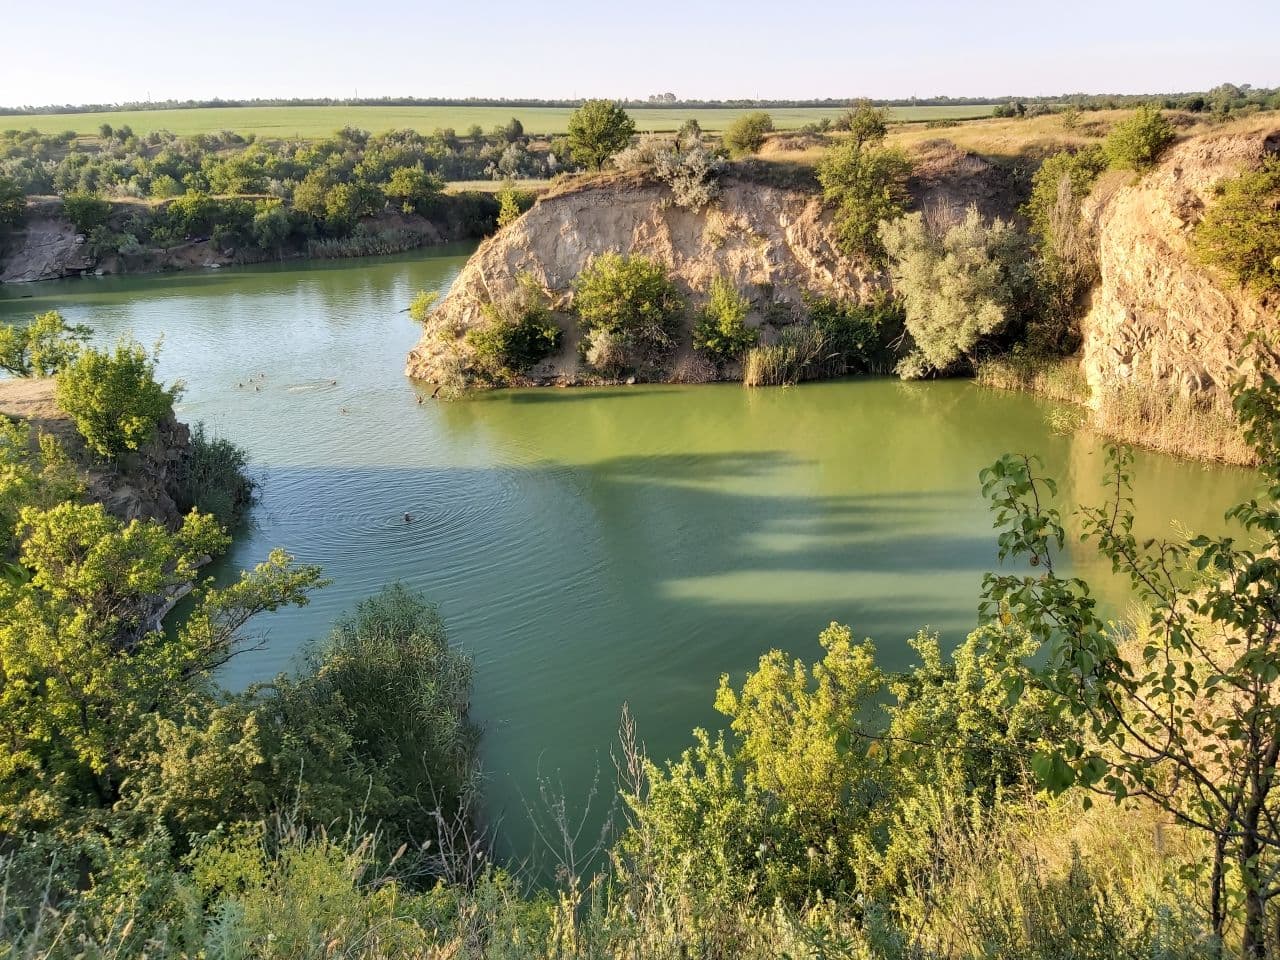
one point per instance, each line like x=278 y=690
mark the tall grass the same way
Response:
x=365 y=243
x=1202 y=427
x=1142 y=414
x=212 y=478
x=1057 y=378
x=801 y=353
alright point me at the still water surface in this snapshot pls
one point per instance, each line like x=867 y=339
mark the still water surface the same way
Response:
x=592 y=547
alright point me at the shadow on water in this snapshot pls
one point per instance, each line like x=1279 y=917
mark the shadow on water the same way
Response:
x=637 y=579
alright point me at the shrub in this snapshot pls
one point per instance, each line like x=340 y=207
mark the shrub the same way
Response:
x=799 y=354
x=746 y=134
x=1240 y=232
x=85 y=211
x=1138 y=142
x=1067 y=267
x=866 y=124
x=630 y=306
x=13 y=202
x=114 y=397
x=420 y=306
x=211 y=478
x=686 y=166
x=512 y=203
x=857 y=336
x=520 y=332
x=720 y=329
x=959 y=284
x=413 y=188
x=866 y=184
x=597 y=130
x=42 y=347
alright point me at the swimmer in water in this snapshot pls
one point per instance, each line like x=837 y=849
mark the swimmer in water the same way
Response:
x=408 y=518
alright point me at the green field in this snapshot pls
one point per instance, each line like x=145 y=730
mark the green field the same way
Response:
x=309 y=122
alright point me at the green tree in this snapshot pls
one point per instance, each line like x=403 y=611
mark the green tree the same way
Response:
x=13 y=202
x=958 y=285
x=1137 y=143
x=746 y=134
x=720 y=329
x=1180 y=706
x=413 y=188
x=867 y=125
x=114 y=397
x=85 y=211
x=597 y=130
x=1240 y=231
x=82 y=661
x=628 y=308
x=867 y=185
x=42 y=347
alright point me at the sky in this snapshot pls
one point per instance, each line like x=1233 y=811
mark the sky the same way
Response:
x=81 y=52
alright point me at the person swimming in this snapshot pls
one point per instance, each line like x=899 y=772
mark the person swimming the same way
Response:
x=408 y=518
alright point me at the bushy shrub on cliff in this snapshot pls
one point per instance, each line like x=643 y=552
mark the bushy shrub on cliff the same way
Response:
x=690 y=169
x=1137 y=143
x=720 y=329
x=866 y=183
x=519 y=332
x=960 y=283
x=629 y=309
x=114 y=397
x=42 y=347
x=13 y=202
x=597 y=130
x=1240 y=232
x=746 y=134
x=85 y=211
x=1067 y=265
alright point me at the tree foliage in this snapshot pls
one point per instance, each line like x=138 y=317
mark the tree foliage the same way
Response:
x=41 y=348
x=519 y=332
x=597 y=130
x=1240 y=232
x=13 y=202
x=1182 y=708
x=720 y=329
x=1136 y=143
x=867 y=184
x=628 y=308
x=959 y=283
x=114 y=398
x=746 y=134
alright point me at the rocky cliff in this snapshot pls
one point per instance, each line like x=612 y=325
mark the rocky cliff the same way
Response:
x=143 y=485
x=774 y=240
x=1156 y=316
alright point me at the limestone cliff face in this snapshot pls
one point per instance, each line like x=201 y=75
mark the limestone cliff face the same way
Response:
x=1157 y=316
x=773 y=243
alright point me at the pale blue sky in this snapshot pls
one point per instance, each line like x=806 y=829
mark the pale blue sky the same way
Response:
x=131 y=50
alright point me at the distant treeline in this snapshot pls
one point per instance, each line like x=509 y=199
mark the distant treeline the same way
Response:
x=1084 y=100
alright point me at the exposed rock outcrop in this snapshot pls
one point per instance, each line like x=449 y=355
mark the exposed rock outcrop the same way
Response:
x=142 y=485
x=1158 y=317
x=46 y=247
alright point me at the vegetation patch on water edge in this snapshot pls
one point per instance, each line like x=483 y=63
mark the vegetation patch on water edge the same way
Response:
x=1197 y=426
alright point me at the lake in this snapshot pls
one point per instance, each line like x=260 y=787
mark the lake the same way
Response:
x=592 y=547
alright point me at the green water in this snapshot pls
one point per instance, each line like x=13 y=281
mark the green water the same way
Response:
x=592 y=547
